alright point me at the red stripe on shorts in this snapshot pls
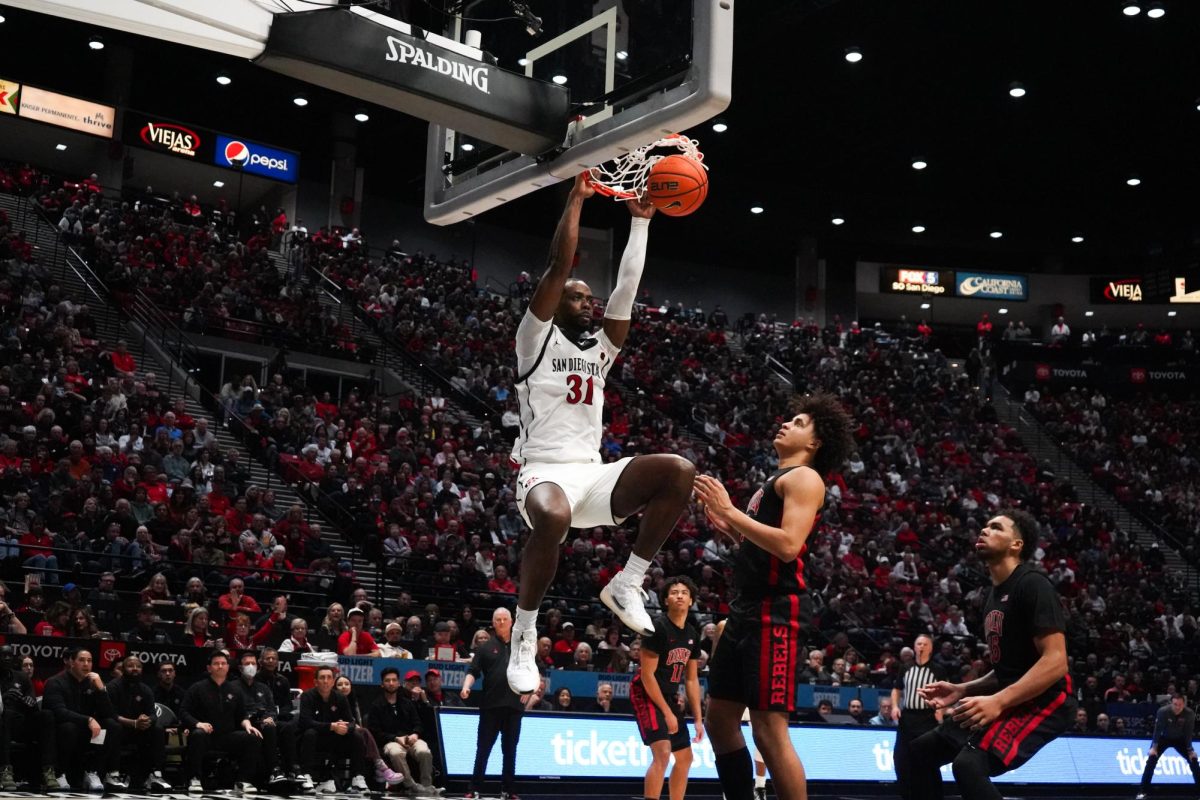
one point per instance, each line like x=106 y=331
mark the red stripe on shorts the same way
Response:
x=794 y=632
x=764 y=668
x=1037 y=720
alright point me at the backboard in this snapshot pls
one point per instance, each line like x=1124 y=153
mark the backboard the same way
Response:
x=635 y=70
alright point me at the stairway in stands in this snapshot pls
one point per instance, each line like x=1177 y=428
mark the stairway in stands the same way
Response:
x=386 y=356
x=70 y=274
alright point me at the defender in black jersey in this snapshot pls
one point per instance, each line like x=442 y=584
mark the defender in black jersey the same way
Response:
x=754 y=665
x=670 y=658
x=997 y=723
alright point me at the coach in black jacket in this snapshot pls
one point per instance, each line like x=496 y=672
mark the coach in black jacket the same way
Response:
x=215 y=712
x=325 y=725
x=81 y=707
x=133 y=704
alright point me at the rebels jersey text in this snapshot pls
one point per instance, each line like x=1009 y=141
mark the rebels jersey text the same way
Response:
x=756 y=573
x=560 y=389
x=1022 y=607
x=675 y=647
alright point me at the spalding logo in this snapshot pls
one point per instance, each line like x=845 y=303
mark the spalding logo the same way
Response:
x=237 y=154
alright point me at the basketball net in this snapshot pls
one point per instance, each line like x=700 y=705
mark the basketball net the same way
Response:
x=625 y=177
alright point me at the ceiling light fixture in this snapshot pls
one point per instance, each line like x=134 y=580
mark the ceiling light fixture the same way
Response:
x=522 y=61
x=1171 y=313
x=96 y=43
x=1077 y=239
x=362 y=116
x=1089 y=313
x=918 y=228
x=1131 y=9
x=1003 y=311
x=1 y=19
x=996 y=234
x=925 y=306
x=1133 y=180
x=60 y=147
x=756 y=209
x=467 y=147
x=854 y=55
x=300 y=100
x=224 y=79
x=559 y=79
x=219 y=184
x=1016 y=89
x=1156 y=11
x=919 y=163
x=622 y=55
x=720 y=126
x=838 y=221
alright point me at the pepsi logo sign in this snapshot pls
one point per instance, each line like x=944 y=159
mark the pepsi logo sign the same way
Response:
x=256 y=159
x=236 y=154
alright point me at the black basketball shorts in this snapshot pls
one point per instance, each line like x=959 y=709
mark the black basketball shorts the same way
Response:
x=756 y=659
x=651 y=723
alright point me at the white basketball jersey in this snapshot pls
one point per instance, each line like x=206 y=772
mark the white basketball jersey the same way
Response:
x=561 y=395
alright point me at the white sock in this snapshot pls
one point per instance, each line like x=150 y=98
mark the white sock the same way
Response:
x=635 y=570
x=525 y=619
x=760 y=781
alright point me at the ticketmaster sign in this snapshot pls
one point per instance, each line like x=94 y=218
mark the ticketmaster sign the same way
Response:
x=987 y=286
x=578 y=746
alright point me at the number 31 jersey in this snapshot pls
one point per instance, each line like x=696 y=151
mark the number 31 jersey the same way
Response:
x=560 y=390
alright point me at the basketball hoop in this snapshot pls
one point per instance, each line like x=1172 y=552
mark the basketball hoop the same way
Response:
x=624 y=178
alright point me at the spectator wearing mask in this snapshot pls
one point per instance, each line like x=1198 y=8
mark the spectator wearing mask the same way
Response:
x=214 y=710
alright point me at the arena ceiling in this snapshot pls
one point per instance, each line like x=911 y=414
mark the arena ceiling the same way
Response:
x=811 y=136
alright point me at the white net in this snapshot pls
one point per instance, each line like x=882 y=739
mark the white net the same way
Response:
x=624 y=178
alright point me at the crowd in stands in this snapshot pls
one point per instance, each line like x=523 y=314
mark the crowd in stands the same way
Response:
x=106 y=479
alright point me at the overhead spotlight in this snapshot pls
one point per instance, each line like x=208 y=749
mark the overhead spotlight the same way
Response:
x=1016 y=89
x=522 y=61
x=300 y=100
x=1 y=19
x=919 y=163
x=854 y=55
x=925 y=306
x=756 y=209
x=533 y=23
x=720 y=126
x=1077 y=239
x=1133 y=180
x=467 y=147
x=1131 y=9
x=559 y=79
x=219 y=184
x=1089 y=313
x=996 y=234
x=1171 y=313
x=1156 y=11
x=362 y=116
x=224 y=79
x=838 y=221
x=918 y=228
x=622 y=55
x=96 y=43
x=1198 y=103
x=1002 y=311
x=60 y=147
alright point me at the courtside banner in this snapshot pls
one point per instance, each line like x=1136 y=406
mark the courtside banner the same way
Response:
x=580 y=746
x=257 y=159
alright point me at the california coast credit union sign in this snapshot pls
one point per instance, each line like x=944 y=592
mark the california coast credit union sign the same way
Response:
x=989 y=286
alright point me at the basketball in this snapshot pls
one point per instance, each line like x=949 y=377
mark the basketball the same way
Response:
x=677 y=185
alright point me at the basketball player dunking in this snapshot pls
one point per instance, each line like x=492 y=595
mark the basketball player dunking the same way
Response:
x=562 y=482
x=754 y=664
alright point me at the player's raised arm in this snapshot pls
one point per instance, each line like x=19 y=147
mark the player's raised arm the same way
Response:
x=629 y=275
x=562 y=253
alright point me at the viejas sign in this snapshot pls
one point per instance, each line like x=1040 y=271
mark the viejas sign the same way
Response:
x=166 y=136
x=1118 y=290
x=403 y=52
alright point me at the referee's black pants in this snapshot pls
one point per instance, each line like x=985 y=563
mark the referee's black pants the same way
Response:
x=505 y=723
x=1184 y=748
x=913 y=723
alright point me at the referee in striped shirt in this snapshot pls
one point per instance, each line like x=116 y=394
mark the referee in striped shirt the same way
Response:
x=915 y=715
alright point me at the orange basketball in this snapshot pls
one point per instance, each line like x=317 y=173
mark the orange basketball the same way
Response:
x=677 y=185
